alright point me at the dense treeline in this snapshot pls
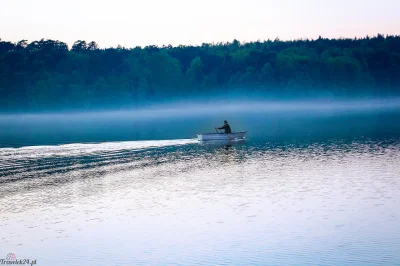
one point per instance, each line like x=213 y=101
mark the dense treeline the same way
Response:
x=46 y=74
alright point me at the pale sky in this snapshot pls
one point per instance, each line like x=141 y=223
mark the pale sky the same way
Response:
x=154 y=22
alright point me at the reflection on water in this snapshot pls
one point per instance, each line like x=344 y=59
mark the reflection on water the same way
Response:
x=251 y=202
x=226 y=144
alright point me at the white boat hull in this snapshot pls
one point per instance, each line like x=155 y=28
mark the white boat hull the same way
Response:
x=221 y=136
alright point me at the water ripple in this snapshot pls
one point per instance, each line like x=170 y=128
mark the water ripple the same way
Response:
x=182 y=202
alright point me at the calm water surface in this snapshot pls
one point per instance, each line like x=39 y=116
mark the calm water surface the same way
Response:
x=305 y=200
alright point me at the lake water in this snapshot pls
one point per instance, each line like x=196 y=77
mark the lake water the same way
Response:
x=302 y=189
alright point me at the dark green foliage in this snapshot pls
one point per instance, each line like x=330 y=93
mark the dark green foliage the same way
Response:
x=45 y=74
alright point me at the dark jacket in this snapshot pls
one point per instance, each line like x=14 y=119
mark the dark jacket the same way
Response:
x=227 y=128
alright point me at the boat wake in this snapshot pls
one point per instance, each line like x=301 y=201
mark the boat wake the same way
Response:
x=39 y=161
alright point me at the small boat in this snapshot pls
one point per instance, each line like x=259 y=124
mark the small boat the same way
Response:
x=221 y=136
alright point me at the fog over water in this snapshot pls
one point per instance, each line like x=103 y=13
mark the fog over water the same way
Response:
x=186 y=119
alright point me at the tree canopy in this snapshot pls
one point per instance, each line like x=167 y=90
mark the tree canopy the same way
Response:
x=47 y=74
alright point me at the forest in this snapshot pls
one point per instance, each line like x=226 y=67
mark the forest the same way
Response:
x=49 y=75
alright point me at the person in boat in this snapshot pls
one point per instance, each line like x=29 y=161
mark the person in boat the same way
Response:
x=226 y=127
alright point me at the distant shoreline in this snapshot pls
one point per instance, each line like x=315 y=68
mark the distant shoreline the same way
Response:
x=47 y=75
